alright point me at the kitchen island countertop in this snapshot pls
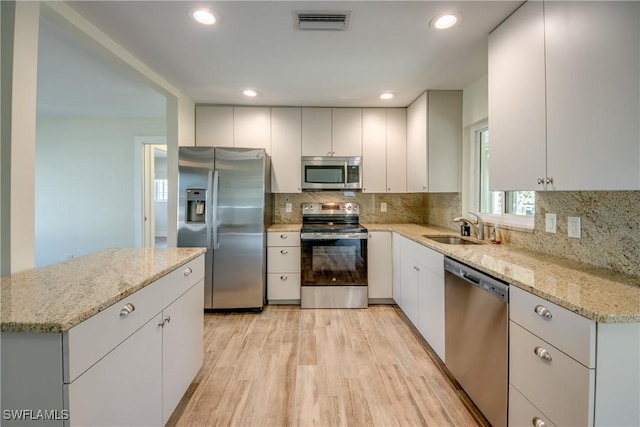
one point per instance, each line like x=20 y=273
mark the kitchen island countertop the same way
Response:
x=54 y=298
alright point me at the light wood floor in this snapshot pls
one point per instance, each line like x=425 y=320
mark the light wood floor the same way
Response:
x=293 y=367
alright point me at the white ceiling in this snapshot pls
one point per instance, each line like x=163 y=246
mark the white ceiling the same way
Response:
x=389 y=46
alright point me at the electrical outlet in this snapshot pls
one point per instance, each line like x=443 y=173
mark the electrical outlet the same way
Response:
x=383 y=207
x=573 y=227
x=287 y=207
x=551 y=223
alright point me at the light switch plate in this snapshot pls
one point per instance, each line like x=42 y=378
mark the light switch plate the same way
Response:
x=573 y=227
x=551 y=223
x=383 y=207
x=287 y=207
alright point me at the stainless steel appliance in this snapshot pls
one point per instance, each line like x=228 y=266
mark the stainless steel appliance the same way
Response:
x=333 y=257
x=331 y=173
x=225 y=206
x=476 y=337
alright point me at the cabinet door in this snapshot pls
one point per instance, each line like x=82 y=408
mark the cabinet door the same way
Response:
x=593 y=95
x=316 y=131
x=417 y=145
x=517 y=101
x=214 y=126
x=444 y=140
x=286 y=149
x=374 y=150
x=379 y=264
x=283 y=286
x=431 y=307
x=396 y=150
x=346 y=131
x=409 y=291
x=252 y=127
x=125 y=387
x=182 y=346
x=396 y=247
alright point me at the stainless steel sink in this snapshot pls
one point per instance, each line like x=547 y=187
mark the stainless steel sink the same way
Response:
x=451 y=240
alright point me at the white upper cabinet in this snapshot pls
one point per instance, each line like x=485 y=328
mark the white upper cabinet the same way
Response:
x=252 y=127
x=346 y=131
x=316 y=131
x=332 y=131
x=434 y=141
x=384 y=150
x=285 y=150
x=517 y=118
x=593 y=95
x=564 y=97
x=214 y=126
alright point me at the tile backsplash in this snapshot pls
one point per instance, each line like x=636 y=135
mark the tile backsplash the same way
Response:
x=610 y=221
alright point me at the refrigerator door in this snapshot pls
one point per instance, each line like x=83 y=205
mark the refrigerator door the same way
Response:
x=239 y=255
x=195 y=215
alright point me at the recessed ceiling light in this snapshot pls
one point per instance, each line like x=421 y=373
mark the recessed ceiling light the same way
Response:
x=203 y=16
x=250 y=92
x=387 y=95
x=442 y=22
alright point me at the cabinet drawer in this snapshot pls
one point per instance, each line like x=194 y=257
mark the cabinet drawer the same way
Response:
x=283 y=286
x=283 y=259
x=284 y=238
x=89 y=341
x=181 y=280
x=522 y=413
x=561 y=388
x=568 y=331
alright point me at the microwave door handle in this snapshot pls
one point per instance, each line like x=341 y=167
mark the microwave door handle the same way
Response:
x=346 y=175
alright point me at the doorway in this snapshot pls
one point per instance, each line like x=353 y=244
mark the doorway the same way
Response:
x=154 y=191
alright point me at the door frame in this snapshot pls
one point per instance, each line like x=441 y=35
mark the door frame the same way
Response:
x=144 y=191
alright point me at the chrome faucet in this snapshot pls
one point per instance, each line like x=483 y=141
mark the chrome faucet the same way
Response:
x=477 y=226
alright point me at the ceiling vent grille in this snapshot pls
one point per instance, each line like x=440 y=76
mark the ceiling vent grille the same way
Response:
x=333 y=21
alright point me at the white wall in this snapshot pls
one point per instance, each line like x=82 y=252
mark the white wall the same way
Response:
x=85 y=185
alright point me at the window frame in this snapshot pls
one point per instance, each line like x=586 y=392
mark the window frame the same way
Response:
x=506 y=220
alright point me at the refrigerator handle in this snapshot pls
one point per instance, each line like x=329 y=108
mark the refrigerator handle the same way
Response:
x=214 y=209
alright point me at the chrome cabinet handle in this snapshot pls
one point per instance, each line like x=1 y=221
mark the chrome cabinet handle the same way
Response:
x=283 y=277
x=187 y=271
x=127 y=309
x=166 y=319
x=537 y=422
x=540 y=181
x=283 y=236
x=542 y=353
x=543 y=311
x=550 y=180
x=284 y=252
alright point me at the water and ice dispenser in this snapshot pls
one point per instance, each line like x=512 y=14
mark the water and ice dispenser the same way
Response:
x=196 y=205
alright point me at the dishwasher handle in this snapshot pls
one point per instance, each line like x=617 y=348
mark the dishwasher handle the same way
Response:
x=481 y=280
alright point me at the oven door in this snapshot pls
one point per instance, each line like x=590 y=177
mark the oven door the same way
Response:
x=334 y=259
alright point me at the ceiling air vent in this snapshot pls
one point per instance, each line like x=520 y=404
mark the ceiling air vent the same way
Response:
x=336 y=21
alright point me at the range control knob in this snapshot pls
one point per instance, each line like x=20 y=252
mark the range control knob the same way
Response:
x=349 y=207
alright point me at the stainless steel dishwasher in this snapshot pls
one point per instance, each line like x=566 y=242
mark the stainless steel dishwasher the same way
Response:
x=477 y=336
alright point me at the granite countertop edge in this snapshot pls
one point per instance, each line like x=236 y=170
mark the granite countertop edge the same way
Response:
x=91 y=309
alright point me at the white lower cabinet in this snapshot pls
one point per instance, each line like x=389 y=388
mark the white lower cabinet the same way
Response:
x=567 y=370
x=379 y=266
x=283 y=267
x=422 y=291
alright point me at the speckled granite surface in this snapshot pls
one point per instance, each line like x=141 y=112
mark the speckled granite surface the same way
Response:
x=284 y=227
x=597 y=293
x=57 y=297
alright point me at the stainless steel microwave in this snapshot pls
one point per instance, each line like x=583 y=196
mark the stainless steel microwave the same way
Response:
x=331 y=173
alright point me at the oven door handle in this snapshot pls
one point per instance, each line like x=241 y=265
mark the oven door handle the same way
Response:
x=334 y=236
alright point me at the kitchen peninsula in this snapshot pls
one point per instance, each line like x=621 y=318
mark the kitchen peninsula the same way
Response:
x=110 y=338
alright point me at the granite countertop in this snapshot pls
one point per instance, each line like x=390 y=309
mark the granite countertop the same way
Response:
x=284 y=227
x=55 y=298
x=597 y=293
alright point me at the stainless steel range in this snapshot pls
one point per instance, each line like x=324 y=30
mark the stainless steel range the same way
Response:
x=334 y=256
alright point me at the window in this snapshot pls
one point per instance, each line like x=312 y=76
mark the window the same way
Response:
x=161 y=189
x=502 y=207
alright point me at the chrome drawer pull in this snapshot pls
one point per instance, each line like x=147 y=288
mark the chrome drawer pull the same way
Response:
x=283 y=277
x=127 y=309
x=167 y=319
x=283 y=236
x=284 y=252
x=537 y=422
x=543 y=311
x=188 y=271
x=542 y=353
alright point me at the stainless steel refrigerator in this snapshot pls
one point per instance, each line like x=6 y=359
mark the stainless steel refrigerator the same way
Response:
x=225 y=206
